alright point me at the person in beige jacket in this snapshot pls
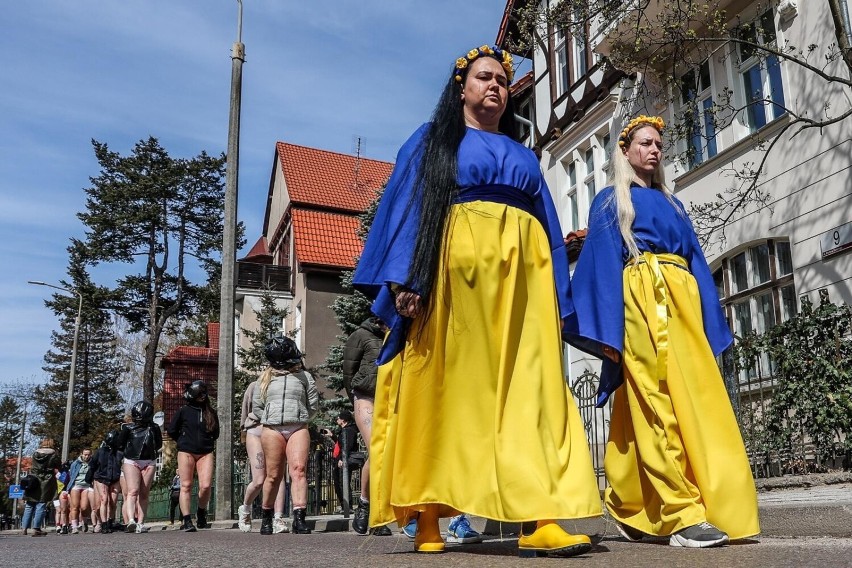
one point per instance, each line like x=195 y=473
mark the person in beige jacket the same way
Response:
x=284 y=399
x=251 y=431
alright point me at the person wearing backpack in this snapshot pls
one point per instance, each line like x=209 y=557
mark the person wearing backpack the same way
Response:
x=104 y=473
x=139 y=441
x=195 y=428
x=39 y=486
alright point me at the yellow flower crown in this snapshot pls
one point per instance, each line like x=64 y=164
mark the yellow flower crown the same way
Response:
x=655 y=121
x=503 y=56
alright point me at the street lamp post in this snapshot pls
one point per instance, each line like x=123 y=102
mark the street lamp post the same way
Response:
x=225 y=389
x=66 y=434
x=20 y=456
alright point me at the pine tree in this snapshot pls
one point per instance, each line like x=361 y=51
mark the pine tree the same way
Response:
x=350 y=309
x=96 y=406
x=253 y=360
x=156 y=213
x=11 y=415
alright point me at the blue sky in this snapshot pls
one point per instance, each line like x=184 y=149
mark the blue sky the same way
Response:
x=317 y=73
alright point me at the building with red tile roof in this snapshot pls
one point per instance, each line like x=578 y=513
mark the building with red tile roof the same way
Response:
x=310 y=230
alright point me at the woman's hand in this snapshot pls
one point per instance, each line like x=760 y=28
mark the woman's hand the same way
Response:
x=408 y=303
x=612 y=354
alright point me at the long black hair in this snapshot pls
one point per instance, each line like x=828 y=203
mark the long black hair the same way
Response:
x=436 y=182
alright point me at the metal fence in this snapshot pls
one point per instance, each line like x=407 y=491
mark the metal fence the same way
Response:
x=750 y=395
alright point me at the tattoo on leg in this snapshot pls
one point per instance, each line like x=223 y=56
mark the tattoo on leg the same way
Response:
x=260 y=462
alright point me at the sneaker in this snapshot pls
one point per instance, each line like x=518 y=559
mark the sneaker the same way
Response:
x=628 y=532
x=38 y=532
x=410 y=530
x=187 y=526
x=702 y=535
x=381 y=531
x=85 y=527
x=130 y=526
x=361 y=520
x=75 y=530
x=65 y=529
x=461 y=532
x=97 y=528
x=141 y=528
x=58 y=529
x=244 y=518
x=279 y=525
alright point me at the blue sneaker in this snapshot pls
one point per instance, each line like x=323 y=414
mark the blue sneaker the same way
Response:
x=461 y=532
x=410 y=529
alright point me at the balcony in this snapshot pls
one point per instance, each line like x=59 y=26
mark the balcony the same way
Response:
x=637 y=15
x=263 y=276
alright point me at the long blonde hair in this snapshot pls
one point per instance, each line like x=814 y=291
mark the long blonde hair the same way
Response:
x=622 y=176
x=268 y=373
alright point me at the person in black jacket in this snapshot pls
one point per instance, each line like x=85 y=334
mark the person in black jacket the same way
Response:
x=139 y=441
x=105 y=471
x=359 y=378
x=346 y=442
x=195 y=428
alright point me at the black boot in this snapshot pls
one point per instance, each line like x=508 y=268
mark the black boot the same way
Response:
x=201 y=518
x=187 y=525
x=361 y=521
x=266 y=521
x=299 y=524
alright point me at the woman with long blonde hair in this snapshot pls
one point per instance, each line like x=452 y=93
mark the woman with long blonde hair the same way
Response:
x=284 y=400
x=646 y=304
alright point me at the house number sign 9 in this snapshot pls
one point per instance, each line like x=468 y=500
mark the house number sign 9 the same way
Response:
x=836 y=240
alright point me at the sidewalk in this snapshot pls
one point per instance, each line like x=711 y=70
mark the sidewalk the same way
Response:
x=789 y=507
x=810 y=506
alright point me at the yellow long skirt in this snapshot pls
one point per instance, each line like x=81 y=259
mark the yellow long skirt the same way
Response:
x=475 y=414
x=675 y=456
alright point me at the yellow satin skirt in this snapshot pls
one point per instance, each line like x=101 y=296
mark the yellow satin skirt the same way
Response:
x=675 y=456
x=474 y=415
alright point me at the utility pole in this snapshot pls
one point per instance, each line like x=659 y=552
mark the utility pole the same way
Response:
x=225 y=390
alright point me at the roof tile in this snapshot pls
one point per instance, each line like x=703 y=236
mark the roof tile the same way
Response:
x=328 y=239
x=328 y=179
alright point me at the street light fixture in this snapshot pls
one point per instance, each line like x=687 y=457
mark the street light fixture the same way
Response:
x=66 y=434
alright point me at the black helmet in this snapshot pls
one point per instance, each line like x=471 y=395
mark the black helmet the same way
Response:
x=142 y=411
x=111 y=439
x=196 y=390
x=282 y=353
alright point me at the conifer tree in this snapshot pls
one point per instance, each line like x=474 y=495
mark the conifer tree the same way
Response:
x=158 y=214
x=350 y=309
x=11 y=415
x=97 y=406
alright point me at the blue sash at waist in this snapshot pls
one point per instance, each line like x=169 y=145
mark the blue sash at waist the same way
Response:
x=498 y=193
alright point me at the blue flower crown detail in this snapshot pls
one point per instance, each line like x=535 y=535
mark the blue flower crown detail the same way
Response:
x=501 y=55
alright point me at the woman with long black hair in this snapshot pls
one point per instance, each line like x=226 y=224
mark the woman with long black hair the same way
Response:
x=466 y=264
x=195 y=428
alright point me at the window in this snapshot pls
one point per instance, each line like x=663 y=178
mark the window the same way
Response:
x=560 y=51
x=572 y=211
x=761 y=294
x=581 y=52
x=763 y=91
x=698 y=114
x=591 y=186
x=525 y=111
x=785 y=260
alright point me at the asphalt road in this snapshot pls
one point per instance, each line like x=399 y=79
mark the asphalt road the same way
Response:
x=212 y=548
